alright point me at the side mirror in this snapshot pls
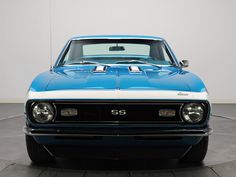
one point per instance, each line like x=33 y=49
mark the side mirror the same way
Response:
x=184 y=63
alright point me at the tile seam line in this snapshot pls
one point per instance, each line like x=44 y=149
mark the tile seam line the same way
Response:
x=42 y=171
x=223 y=117
x=11 y=164
x=11 y=117
x=173 y=173
x=214 y=171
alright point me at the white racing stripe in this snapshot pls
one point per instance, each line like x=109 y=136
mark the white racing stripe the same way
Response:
x=118 y=94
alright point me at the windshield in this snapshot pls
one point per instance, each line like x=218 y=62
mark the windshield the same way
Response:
x=116 y=51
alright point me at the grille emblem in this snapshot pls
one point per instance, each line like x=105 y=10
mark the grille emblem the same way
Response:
x=116 y=112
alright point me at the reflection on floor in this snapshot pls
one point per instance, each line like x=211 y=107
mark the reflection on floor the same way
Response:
x=220 y=160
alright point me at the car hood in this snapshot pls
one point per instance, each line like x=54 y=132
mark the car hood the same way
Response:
x=118 y=77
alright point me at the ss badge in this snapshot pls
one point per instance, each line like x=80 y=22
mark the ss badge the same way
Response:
x=116 y=112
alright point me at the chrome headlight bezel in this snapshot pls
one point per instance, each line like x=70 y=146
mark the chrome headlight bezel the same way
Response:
x=194 y=120
x=50 y=108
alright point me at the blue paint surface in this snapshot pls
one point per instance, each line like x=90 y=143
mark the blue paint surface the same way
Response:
x=118 y=77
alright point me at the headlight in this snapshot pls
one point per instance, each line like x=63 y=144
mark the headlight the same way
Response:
x=43 y=112
x=193 y=112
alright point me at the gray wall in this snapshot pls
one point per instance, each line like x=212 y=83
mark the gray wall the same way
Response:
x=198 y=30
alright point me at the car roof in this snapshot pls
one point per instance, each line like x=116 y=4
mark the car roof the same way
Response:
x=117 y=37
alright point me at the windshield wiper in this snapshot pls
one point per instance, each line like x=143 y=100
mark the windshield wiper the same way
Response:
x=136 y=61
x=131 y=61
x=86 y=62
x=83 y=63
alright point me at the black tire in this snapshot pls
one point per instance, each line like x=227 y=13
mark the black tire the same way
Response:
x=197 y=152
x=36 y=152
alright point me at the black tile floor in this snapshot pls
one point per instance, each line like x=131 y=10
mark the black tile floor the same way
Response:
x=220 y=159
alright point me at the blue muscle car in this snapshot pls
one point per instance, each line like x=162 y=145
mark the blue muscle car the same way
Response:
x=117 y=97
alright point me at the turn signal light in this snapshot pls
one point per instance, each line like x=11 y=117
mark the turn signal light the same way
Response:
x=167 y=113
x=67 y=112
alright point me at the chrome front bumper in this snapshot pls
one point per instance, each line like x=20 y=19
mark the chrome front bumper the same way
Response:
x=156 y=133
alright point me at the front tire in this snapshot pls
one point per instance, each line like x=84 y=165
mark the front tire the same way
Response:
x=198 y=152
x=36 y=152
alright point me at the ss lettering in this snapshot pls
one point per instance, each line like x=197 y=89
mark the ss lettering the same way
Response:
x=116 y=112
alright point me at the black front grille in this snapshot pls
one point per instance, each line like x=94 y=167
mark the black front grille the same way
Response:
x=95 y=112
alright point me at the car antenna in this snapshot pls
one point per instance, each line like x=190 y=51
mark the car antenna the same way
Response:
x=51 y=67
x=50 y=34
